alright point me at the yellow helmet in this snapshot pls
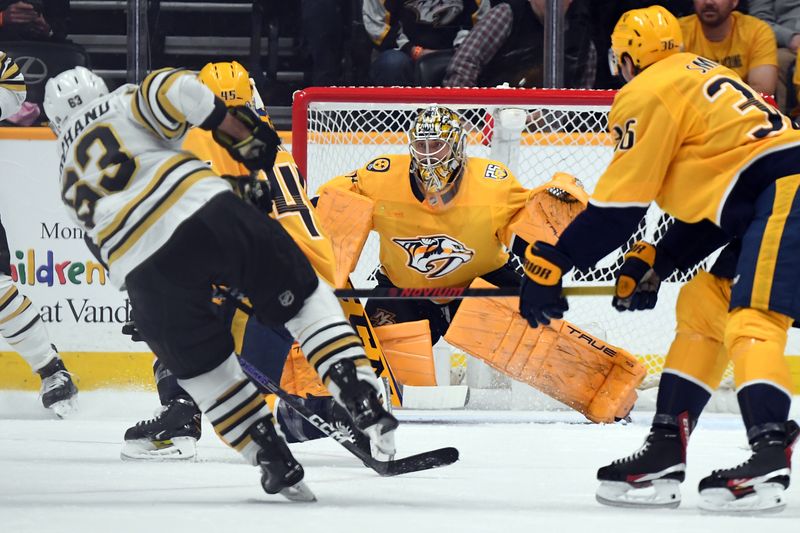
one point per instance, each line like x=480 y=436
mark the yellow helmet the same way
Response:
x=230 y=81
x=645 y=35
x=436 y=143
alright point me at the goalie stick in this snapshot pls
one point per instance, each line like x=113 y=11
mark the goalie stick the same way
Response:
x=393 y=467
x=456 y=293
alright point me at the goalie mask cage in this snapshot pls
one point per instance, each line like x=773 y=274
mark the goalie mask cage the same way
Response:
x=536 y=132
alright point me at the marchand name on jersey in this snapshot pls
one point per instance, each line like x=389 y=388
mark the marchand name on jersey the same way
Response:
x=68 y=136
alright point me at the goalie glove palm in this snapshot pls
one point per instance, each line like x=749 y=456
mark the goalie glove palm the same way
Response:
x=258 y=150
x=540 y=298
x=637 y=282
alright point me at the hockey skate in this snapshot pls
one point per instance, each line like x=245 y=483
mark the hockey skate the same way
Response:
x=280 y=471
x=650 y=477
x=341 y=421
x=365 y=408
x=758 y=484
x=58 y=392
x=171 y=434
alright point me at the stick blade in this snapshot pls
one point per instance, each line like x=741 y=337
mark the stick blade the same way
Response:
x=419 y=462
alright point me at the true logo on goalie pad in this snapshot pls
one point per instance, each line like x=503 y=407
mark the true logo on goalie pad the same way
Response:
x=435 y=255
x=591 y=341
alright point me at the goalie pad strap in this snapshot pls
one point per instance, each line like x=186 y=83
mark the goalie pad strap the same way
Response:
x=346 y=219
x=561 y=360
x=409 y=351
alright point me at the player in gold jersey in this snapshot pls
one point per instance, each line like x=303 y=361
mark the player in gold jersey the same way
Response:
x=173 y=433
x=694 y=138
x=744 y=44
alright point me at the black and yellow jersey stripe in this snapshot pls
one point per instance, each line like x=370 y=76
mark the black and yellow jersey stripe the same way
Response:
x=154 y=110
x=10 y=75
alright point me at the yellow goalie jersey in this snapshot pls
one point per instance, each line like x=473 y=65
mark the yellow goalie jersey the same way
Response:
x=291 y=206
x=688 y=157
x=422 y=247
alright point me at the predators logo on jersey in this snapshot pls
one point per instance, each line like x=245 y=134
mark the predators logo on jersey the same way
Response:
x=435 y=255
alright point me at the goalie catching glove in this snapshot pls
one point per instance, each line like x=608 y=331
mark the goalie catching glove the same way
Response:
x=258 y=150
x=540 y=298
x=639 y=278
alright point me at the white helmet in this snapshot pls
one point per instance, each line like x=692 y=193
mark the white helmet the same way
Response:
x=69 y=92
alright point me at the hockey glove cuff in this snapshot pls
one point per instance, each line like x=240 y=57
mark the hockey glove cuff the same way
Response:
x=258 y=150
x=540 y=298
x=637 y=281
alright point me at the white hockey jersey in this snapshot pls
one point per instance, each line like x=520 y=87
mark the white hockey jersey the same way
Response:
x=12 y=87
x=124 y=177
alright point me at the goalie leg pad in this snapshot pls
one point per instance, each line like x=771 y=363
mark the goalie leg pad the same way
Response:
x=346 y=219
x=561 y=360
x=408 y=349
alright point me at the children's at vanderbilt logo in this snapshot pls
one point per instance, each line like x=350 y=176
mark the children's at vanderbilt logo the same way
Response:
x=51 y=272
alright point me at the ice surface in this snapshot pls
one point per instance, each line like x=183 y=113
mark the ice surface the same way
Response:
x=519 y=471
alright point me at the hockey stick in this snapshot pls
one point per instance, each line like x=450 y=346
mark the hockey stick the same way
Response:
x=456 y=293
x=414 y=463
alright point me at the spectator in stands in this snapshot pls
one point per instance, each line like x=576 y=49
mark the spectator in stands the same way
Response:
x=404 y=31
x=33 y=20
x=783 y=16
x=507 y=46
x=741 y=42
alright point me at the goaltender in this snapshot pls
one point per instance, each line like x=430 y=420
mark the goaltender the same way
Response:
x=445 y=219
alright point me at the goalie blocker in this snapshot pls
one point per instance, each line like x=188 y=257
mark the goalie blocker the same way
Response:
x=561 y=360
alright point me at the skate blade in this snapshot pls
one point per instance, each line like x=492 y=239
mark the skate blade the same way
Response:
x=180 y=449
x=65 y=408
x=662 y=494
x=768 y=498
x=299 y=492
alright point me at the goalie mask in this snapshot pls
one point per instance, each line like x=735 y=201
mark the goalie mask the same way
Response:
x=436 y=144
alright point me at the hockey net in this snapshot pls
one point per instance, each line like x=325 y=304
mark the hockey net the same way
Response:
x=535 y=132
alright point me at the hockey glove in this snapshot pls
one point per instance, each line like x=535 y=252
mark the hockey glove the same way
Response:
x=256 y=152
x=252 y=190
x=540 y=298
x=637 y=282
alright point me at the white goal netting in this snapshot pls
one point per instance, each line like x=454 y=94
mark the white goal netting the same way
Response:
x=339 y=129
